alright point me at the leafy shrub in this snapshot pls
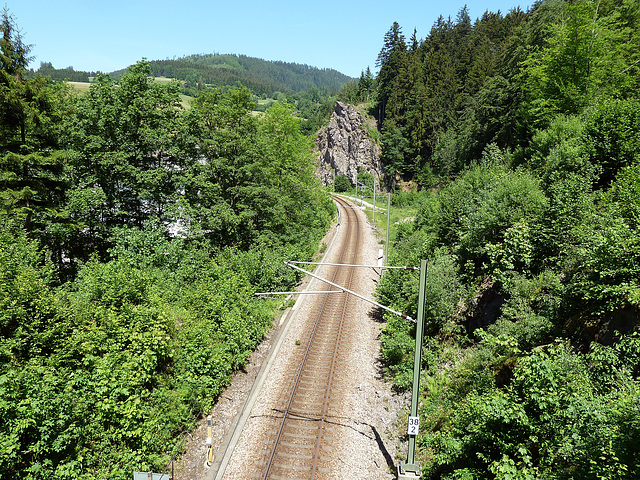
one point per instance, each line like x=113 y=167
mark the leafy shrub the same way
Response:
x=570 y=202
x=455 y=200
x=528 y=313
x=516 y=400
x=398 y=347
x=612 y=134
x=497 y=222
x=406 y=199
x=548 y=422
x=27 y=307
x=560 y=150
x=342 y=183
x=443 y=292
x=125 y=355
x=603 y=265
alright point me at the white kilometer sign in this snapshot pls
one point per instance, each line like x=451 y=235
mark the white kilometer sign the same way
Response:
x=414 y=423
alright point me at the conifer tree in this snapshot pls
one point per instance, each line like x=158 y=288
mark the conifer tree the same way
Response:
x=30 y=164
x=14 y=58
x=389 y=61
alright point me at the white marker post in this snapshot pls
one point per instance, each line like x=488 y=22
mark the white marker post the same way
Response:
x=209 y=441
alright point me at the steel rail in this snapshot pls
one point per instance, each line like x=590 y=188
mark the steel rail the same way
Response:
x=286 y=412
x=298 y=377
x=335 y=354
x=333 y=362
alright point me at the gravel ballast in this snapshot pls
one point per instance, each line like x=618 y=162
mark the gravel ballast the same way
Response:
x=367 y=433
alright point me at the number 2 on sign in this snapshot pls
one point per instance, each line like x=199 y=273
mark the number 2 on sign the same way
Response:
x=414 y=423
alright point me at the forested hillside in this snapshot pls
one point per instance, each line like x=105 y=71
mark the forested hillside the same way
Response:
x=261 y=76
x=311 y=91
x=133 y=236
x=522 y=131
x=63 y=74
x=196 y=72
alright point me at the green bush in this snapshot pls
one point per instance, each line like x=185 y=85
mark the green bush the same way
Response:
x=560 y=150
x=342 y=184
x=407 y=199
x=603 y=264
x=612 y=133
x=549 y=422
x=516 y=399
x=496 y=225
x=98 y=377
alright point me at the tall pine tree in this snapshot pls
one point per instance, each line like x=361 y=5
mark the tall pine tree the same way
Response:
x=31 y=187
x=389 y=61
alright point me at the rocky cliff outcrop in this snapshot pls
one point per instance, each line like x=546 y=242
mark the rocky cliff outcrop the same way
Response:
x=346 y=147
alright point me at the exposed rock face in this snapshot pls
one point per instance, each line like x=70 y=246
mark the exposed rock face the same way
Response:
x=345 y=146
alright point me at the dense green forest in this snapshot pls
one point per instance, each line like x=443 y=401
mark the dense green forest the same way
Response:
x=133 y=236
x=311 y=91
x=522 y=132
x=196 y=72
x=68 y=74
x=261 y=76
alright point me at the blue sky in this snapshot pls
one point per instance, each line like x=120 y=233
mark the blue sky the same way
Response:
x=109 y=35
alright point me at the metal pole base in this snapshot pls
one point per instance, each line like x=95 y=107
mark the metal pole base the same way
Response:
x=409 y=472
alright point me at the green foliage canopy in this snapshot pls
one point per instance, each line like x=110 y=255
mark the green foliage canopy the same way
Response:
x=530 y=228
x=133 y=236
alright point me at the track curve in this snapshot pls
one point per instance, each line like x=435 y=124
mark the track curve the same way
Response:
x=299 y=442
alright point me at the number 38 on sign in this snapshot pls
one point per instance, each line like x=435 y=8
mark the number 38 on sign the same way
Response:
x=414 y=423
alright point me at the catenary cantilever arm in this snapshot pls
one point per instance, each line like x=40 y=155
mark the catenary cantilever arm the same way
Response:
x=290 y=264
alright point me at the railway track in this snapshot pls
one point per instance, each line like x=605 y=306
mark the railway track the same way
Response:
x=300 y=436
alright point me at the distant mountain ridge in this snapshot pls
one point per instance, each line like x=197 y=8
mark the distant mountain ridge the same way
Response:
x=261 y=76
